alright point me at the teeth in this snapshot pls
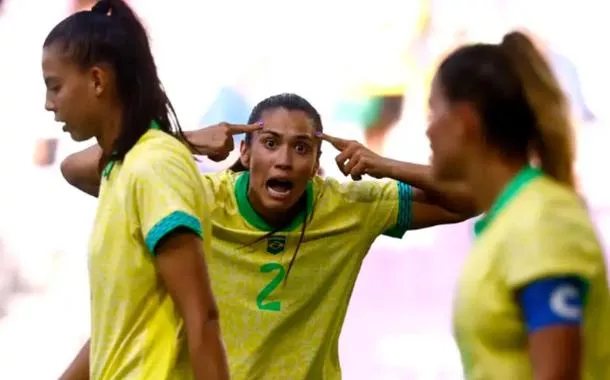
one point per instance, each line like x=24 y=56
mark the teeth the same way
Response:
x=279 y=187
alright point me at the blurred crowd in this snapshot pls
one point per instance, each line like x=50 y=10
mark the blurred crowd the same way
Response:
x=365 y=65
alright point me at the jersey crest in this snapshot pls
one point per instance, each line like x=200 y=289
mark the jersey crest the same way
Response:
x=276 y=244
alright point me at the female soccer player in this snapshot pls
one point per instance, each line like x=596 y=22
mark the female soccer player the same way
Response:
x=285 y=246
x=533 y=297
x=153 y=313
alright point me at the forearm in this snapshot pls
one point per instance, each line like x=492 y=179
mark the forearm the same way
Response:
x=416 y=175
x=181 y=266
x=188 y=136
x=454 y=197
x=81 y=170
x=79 y=368
x=207 y=352
x=189 y=140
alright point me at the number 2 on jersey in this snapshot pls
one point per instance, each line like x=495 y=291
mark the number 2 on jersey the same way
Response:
x=270 y=287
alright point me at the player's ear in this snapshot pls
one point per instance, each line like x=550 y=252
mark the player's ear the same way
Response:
x=244 y=154
x=466 y=115
x=99 y=78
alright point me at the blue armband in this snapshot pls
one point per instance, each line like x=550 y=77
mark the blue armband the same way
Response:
x=553 y=301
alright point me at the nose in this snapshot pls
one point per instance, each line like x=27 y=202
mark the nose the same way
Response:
x=283 y=157
x=49 y=105
x=429 y=131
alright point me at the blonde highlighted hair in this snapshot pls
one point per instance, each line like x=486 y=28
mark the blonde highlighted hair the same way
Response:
x=554 y=144
x=519 y=101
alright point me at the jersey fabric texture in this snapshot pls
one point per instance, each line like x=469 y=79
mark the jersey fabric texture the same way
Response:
x=281 y=324
x=136 y=332
x=537 y=229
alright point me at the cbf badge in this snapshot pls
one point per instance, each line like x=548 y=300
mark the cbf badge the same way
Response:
x=276 y=244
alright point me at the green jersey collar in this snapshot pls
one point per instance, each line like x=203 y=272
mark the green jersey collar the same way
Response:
x=111 y=162
x=513 y=188
x=252 y=217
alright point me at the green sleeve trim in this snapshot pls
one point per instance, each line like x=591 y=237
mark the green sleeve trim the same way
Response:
x=405 y=206
x=167 y=225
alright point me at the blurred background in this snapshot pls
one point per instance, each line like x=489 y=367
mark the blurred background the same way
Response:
x=365 y=65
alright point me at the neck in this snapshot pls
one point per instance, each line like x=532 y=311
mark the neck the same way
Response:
x=273 y=218
x=109 y=131
x=490 y=179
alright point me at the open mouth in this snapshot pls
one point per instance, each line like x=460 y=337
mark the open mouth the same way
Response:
x=279 y=188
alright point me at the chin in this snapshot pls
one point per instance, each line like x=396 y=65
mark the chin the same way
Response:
x=280 y=205
x=440 y=172
x=79 y=138
x=277 y=205
x=443 y=170
x=448 y=174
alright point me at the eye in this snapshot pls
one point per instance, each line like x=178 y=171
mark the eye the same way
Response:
x=54 y=88
x=302 y=148
x=270 y=143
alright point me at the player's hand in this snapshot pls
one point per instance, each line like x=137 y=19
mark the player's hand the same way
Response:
x=216 y=141
x=356 y=160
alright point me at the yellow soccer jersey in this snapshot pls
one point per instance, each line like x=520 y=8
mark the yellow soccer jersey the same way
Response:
x=281 y=324
x=136 y=332
x=537 y=228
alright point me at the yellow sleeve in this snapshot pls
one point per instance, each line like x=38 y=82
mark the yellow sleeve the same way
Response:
x=215 y=184
x=560 y=241
x=166 y=187
x=386 y=205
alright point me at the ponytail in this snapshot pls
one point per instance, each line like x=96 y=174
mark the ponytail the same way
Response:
x=238 y=167
x=118 y=9
x=553 y=142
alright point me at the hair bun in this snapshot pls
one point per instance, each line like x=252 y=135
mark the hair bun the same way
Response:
x=102 y=6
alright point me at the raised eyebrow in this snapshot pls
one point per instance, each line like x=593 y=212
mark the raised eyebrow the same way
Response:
x=269 y=132
x=296 y=137
x=304 y=137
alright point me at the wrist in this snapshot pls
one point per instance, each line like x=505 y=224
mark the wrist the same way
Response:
x=388 y=168
x=193 y=143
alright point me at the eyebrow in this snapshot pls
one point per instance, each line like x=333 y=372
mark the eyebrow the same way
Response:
x=301 y=136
